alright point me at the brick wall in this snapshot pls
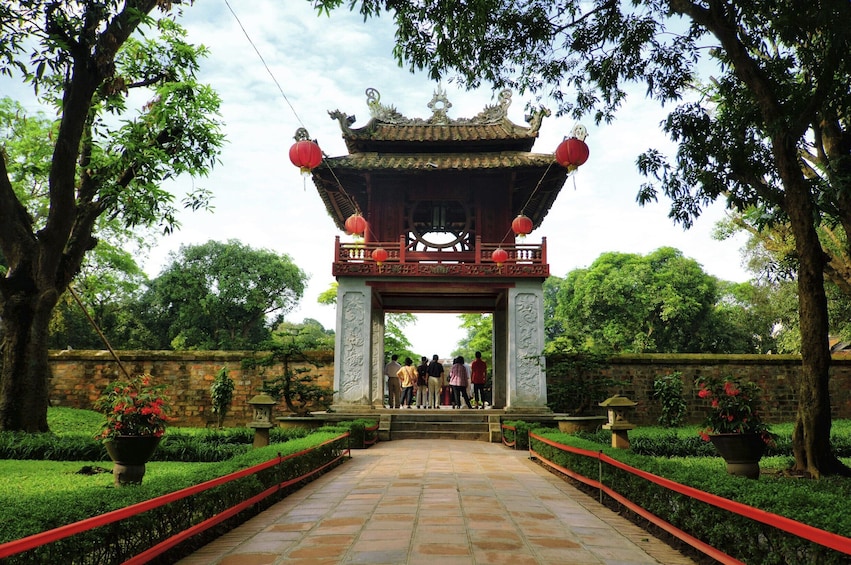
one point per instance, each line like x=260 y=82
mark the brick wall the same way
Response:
x=80 y=376
x=777 y=375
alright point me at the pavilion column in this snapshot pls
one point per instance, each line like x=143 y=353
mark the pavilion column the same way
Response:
x=500 y=359
x=355 y=360
x=377 y=379
x=527 y=378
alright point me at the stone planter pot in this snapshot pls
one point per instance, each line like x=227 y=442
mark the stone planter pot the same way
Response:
x=130 y=453
x=290 y=422
x=573 y=424
x=741 y=452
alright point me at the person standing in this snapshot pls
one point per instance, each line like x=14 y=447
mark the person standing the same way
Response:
x=408 y=378
x=478 y=371
x=394 y=388
x=422 y=383
x=458 y=381
x=435 y=376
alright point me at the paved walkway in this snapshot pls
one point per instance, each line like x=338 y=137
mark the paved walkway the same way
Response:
x=437 y=502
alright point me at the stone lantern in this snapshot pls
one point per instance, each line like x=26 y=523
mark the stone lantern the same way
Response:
x=262 y=422
x=616 y=407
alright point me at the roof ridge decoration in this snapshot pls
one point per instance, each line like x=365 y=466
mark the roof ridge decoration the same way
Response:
x=439 y=105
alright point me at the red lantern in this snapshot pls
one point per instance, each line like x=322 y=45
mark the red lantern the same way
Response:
x=522 y=226
x=305 y=155
x=356 y=224
x=572 y=153
x=499 y=256
x=379 y=255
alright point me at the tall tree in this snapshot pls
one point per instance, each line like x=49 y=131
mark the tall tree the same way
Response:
x=658 y=303
x=109 y=274
x=774 y=129
x=224 y=295
x=395 y=340
x=479 y=337
x=81 y=58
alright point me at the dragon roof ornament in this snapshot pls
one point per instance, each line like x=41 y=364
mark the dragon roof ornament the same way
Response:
x=439 y=105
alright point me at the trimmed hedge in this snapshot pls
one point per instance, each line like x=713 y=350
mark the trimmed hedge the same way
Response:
x=119 y=541
x=821 y=504
x=178 y=444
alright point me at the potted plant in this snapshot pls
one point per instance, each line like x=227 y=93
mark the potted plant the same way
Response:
x=734 y=424
x=136 y=418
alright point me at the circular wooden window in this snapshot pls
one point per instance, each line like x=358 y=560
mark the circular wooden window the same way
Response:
x=441 y=225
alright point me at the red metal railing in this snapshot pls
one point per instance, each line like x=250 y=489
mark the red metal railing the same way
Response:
x=804 y=531
x=524 y=259
x=31 y=542
x=371 y=430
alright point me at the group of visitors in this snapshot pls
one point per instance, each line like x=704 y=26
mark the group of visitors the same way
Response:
x=423 y=384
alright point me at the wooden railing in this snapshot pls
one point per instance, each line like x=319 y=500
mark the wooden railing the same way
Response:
x=358 y=259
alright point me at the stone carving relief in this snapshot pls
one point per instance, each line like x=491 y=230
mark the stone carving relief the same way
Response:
x=377 y=373
x=527 y=345
x=353 y=365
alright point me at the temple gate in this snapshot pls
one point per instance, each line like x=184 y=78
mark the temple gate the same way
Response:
x=439 y=196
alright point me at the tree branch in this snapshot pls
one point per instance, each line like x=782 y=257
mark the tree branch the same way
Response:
x=16 y=239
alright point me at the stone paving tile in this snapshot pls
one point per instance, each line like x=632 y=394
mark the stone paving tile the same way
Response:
x=437 y=502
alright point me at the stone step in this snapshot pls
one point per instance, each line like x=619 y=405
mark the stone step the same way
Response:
x=435 y=426
x=469 y=425
x=477 y=418
x=440 y=434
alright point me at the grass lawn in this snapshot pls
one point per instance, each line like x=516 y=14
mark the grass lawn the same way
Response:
x=26 y=478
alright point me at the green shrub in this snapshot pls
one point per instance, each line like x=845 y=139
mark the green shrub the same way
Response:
x=71 y=439
x=576 y=383
x=668 y=390
x=41 y=506
x=817 y=503
x=221 y=394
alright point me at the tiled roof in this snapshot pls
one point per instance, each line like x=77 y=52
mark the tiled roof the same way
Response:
x=342 y=182
x=454 y=132
x=437 y=161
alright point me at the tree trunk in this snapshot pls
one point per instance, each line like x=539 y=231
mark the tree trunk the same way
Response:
x=25 y=370
x=811 y=435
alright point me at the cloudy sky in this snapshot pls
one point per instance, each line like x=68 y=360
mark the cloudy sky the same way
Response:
x=323 y=64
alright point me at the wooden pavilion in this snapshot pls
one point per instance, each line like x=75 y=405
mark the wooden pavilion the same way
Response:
x=439 y=196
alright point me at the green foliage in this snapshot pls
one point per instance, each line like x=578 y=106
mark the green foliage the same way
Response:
x=577 y=382
x=222 y=296
x=736 y=406
x=221 y=393
x=816 y=503
x=63 y=421
x=136 y=407
x=658 y=303
x=520 y=434
x=295 y=385
x=58 y=497
x=767 y=127
x=176 y=445
x=479 y=337
x=668 y=390
x=395 y=340
x=98 y=164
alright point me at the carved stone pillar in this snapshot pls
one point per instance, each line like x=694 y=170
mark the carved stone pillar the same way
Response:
x=353 y=346
x=527 y=378
x=377 y=379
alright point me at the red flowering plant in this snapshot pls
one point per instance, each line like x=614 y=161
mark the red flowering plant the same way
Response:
x=736 y=406
x=133 y=408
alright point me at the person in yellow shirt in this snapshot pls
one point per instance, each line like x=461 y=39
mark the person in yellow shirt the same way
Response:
x=408 y=378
